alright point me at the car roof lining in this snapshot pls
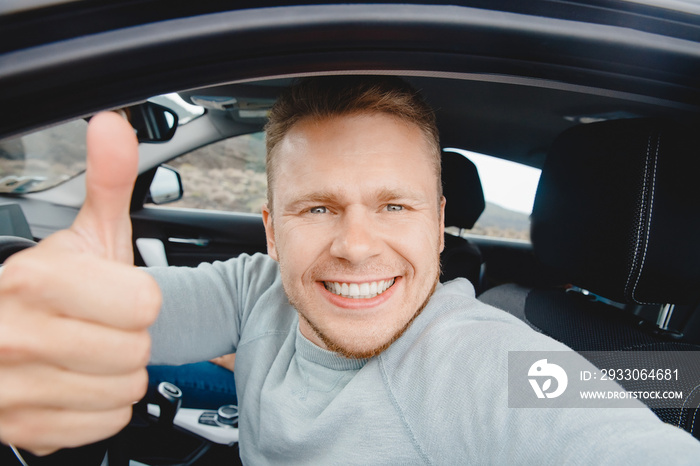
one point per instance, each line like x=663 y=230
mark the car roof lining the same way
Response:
x=537 y=110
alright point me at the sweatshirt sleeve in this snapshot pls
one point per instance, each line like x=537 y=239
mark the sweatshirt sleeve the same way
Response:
x=204 y=307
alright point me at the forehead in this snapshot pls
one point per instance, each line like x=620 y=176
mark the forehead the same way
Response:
x=359 y=151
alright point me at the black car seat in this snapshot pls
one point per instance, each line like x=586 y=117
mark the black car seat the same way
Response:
x=465 y=203
x=617 y=214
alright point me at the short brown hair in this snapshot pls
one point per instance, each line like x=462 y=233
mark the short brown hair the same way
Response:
x=331 y=96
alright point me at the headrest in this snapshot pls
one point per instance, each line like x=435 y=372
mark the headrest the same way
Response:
x=617 y=210
x=462 y=188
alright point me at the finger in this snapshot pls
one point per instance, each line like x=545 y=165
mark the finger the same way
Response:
x=43 y=431
x=49 y=280
x=41 y=385
x=112 y=166
x=71 y=344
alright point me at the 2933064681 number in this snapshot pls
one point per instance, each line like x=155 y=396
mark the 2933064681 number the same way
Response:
x=639 y=374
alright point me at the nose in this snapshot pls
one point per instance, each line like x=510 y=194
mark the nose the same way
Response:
x=356 y=237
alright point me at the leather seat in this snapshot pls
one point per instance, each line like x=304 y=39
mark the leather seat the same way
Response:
x=617 y=214
x=465 y=203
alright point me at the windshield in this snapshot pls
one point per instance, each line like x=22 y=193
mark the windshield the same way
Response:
x=48 y=157
x=42 y=159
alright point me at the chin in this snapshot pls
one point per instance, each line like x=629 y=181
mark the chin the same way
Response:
x=353 y=351
x=359 y=344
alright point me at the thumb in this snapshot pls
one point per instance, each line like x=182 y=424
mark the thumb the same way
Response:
x=103 y=223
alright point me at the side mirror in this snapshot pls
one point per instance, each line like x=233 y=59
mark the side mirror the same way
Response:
x=152 y=122
x=165 y=187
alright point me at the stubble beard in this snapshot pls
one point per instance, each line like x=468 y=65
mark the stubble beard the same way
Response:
x=337 y=347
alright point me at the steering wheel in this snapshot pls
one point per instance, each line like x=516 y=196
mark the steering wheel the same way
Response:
x=12 y=244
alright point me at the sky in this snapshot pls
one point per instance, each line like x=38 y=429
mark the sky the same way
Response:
x=508 y=184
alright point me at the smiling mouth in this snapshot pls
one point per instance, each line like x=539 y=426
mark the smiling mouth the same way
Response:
x=365 y=290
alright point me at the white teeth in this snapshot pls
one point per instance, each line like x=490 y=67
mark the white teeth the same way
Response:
x=364 y=289
x=359 y=290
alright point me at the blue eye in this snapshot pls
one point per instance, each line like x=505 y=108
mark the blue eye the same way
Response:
x=394 y=208
x=318 y=210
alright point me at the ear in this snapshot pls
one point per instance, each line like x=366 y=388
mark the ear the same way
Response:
x=442 y=223
x=269 y=232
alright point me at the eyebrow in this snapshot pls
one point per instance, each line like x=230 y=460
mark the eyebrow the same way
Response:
x=388 y=194
x=316 y=198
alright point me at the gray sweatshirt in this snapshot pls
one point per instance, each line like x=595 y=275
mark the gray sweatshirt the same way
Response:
x=438 y=395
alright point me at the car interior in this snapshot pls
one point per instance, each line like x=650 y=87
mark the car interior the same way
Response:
x=605 y=101
x=605 y=190
x=461 y=184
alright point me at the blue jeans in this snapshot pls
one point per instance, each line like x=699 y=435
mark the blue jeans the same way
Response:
x=204 y=385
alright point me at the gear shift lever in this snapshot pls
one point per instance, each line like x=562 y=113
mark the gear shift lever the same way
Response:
x=227 y=415
x=220 y=427
x=169 y=401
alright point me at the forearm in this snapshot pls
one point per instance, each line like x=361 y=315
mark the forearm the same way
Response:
x=198 y=317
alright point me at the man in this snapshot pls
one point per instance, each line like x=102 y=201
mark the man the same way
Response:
x=348 y=350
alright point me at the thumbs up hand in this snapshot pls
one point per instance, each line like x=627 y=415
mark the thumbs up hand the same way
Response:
x=74 y=313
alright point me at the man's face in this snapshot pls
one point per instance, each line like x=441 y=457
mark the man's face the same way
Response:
x=357 y=228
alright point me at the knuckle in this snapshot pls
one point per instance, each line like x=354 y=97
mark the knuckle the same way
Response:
x=120 y=418
x=14 y=430
x=14 y=345
x=5 y=428
x=9 y=435
x=138 y=386
x=19 y=275
x=149 y=299
x=8 y=349
x=135 y=350
x=132 y=387
x=8 y=394
x=141 y=350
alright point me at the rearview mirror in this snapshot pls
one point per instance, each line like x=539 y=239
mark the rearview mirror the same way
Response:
x=152 y=122
x=165 y=187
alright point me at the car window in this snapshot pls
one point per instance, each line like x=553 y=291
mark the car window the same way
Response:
x=509 y=191
x=228 y=175
x=42 y=159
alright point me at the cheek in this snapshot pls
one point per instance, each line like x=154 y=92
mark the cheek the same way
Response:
x=297 y=237
x=298 y=246
x=415 y=238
